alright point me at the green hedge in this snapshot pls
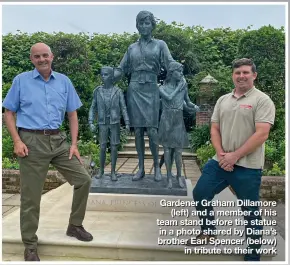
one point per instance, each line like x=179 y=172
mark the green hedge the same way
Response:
x=202 y=51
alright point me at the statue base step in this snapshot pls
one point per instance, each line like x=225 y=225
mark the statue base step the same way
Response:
x=146 y=185
x=123 y=201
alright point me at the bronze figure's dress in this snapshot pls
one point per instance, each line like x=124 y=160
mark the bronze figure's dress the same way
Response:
x=172 y=132
x=143 y=63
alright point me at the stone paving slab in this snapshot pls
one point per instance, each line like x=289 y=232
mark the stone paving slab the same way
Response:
x=135 y=160
x=6 y=196
x=131 y=161
x=8 y=210
x=13 y=200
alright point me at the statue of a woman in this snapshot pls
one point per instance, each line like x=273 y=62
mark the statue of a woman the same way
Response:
x=142 y=62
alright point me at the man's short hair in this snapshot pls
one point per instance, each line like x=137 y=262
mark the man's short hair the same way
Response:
x=244 y=61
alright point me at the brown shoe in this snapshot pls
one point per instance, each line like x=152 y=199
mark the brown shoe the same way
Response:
x=200 y=239
x=31 y=255
x=79 y=232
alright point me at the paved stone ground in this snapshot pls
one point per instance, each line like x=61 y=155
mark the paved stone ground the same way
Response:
x=10 y=203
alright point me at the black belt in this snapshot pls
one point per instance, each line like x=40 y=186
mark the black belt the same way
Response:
x=44 y=132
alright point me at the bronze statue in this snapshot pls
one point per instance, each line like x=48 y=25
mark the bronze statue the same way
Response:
x=108 y=102
x=142 y=62
x=172 y=132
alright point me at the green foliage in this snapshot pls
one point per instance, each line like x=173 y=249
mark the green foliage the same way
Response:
x=270 y=151
x=9 y=163
x=7 y=144
x=277 y=133
x=199 y=136
x=108 y=50
x=274 y=171
x=224 y=76
x=9 y=160
x=269 y=57
x=92 y=149
x=275 y=153
x=204 y=153
x=5 y=89
x=123 y=138
x=16 y=51
x=180 y=41
x=201 y=51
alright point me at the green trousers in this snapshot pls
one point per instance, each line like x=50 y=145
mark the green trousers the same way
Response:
x=43 y=150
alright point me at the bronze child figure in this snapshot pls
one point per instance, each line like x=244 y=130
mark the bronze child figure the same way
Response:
x=108 y=103
x=172 y=133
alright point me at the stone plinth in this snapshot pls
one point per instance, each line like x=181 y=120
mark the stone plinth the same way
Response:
x=146 y=185
x=143 y=203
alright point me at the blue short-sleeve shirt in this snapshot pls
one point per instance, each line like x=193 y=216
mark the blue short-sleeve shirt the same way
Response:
x=41 y=104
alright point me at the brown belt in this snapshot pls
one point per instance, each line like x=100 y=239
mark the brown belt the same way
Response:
x=44 y=132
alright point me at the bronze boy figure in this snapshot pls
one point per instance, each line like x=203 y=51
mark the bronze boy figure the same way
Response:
x=108 y=102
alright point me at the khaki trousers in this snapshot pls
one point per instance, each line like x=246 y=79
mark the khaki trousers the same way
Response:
x=43 y=150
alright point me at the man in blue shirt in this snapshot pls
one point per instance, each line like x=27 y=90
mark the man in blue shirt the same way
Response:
x=40 y=99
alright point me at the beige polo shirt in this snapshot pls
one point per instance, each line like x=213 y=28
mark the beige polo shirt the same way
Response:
x=237 y=118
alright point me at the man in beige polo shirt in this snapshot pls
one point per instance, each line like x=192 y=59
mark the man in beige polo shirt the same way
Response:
x=240 y=126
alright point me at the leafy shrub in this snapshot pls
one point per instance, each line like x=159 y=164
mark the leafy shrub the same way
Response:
x=274 y=171
x=9 y=163
x=202 y=51
x=7 y=144
x=123 y=138
x=199 y=136
x=204 y=153
x=270 y=151
x=275 y=153
x=5 y=89
x=92 y=149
